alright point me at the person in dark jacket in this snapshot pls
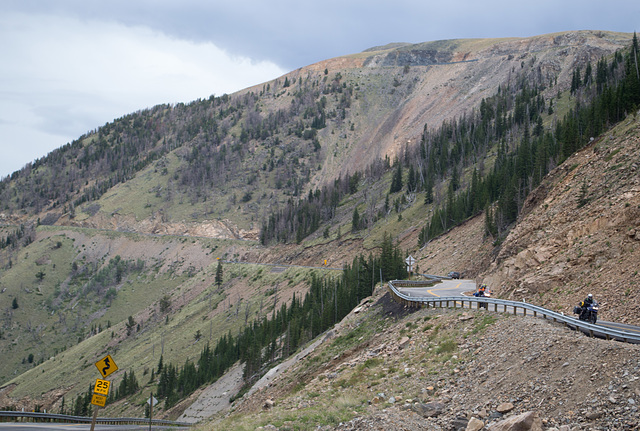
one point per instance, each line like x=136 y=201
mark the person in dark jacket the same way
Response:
x=482 y=291
x=588 y=302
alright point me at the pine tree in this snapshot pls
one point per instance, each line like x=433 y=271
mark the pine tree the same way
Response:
x=583 y=198
x=396 y=181
x=428 y=197
x=455 y=178
x=160 y=365
x=355 y=221
x=411 y=180
x=218 y=279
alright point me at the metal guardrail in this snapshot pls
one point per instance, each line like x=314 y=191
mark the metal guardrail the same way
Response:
x=453 y=301
x=50 y=417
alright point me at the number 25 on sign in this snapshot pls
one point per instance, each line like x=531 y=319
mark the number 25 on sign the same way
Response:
x=102 y=387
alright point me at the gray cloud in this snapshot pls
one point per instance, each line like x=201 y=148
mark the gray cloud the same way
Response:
x=72 y=65
x=63 y=76
x=295 y=33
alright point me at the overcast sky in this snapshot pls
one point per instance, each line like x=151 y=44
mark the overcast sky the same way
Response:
x=70 y=66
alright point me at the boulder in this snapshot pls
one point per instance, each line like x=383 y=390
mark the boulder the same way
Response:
x=377 y=399
x=504 y=408
x=459 y=424
x=268 y=404
x=529 y=421
x=404 y=341
x=429 y=410
x=475 y=424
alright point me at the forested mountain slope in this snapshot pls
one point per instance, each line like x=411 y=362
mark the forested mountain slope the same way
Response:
x=240 y=157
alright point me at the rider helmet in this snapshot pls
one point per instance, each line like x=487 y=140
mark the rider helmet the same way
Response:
x=589 y=296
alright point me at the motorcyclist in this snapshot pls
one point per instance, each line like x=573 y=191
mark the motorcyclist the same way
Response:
x=588 y=302
x=482 y=291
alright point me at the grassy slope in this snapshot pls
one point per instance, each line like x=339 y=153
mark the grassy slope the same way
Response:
x=197 y=306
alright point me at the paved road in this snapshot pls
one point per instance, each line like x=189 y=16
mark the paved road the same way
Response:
x=445 y=288
x=30 y=426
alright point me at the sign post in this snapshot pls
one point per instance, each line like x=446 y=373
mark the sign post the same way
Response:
x=105 y=366
x=152 y=402
x=410 y=261
x=93 y=420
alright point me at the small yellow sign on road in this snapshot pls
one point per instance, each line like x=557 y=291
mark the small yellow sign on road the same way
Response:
x=102 y=387
x=98 y=400
x=106 y=366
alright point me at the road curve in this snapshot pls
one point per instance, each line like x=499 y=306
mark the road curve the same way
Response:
x=449 y=287
x=446 y=287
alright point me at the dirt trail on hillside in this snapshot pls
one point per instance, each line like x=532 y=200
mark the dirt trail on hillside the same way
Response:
x=214 y=398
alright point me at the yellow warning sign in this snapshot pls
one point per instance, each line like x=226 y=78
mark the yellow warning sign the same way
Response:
x=102 y=387
x=98 y=400
x=106 y=366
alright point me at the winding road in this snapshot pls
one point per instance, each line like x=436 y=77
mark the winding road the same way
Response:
x=449 y=287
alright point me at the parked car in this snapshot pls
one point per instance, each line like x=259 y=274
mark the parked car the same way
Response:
x=454 y=274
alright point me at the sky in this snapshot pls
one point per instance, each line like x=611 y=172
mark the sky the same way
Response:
x=68 y=67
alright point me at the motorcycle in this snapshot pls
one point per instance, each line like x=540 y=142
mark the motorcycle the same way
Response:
x=587 y=313
x=481 y=294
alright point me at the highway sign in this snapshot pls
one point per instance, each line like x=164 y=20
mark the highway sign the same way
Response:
x=106 y=366
x=102 y=387
x=410 y=261
x=98 y=400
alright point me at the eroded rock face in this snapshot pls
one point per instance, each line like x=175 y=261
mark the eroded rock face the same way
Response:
x=412 y=57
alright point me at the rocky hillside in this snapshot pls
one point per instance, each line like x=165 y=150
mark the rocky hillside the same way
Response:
x=579 y=232
x=386 y=367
